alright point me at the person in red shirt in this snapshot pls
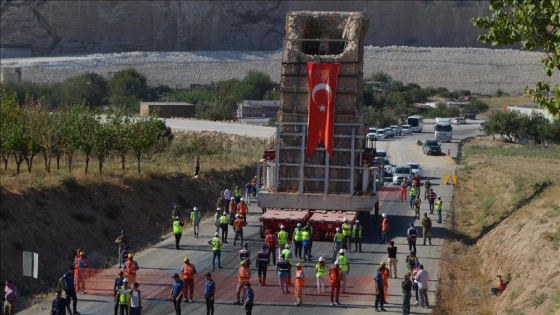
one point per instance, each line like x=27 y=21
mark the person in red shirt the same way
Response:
x=384 y=228
x=271 y=242
x=238 y=225
x=335 y=276
x=188 y=271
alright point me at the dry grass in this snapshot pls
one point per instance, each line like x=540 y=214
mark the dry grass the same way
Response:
x=509 y=100
x=499 y=206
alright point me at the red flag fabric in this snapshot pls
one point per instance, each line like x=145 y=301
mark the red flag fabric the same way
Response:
x=322 y=79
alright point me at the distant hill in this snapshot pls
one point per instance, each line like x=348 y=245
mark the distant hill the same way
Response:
x=65 y=27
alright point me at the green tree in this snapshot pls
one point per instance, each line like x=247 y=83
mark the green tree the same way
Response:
x=148 y=132
x=86 y=130
x=123 y=133
x=104 y=136
x=535 y=24
x=476 y=106
x=89 y=89
x=380 y=77
x=128 y=87
x=257 y=85
x=9 y=120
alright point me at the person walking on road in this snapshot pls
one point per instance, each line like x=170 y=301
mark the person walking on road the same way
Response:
x=248 y=299
x=178 y=224
x=282 y=238
x=130 y=268
x=344 y=267
x=217 y=216
x=392 y=260
x=411 y=260
x=385 y=275
x=263 y=260
x=195 y=221
x=124 y=298
x=224 y=226
x=271 y=241
x=116 y=287
x=227 y=198
x=300 y=282
x=80 y=270
x=338 y=240
x=244 y=277
x=216 y=244
x=176 y=294
x=309 y=228
x=346 y=234
x=423 y=278
x=237 y=194
x=282 y=268
x=60 y=305
x=242 y=209
x=121 y=241
x=415 y=270
x=67 y=282
x=245 y=254
x=306 y=242
x=357 y=236
x=384 y=228
x=412 y=192
x=406 y=286
x=379 y=291
x=431 y=200
x=404 y=186
x=411 y=236
x=427 y=228
x=248 y=192
x=135 y=300
x=335 y=277
x=288 y=256
x=238 y=225
x=320 y=275
x=188 y=271
x=124 y=256
x=427 y=188
x=297 y=240
x=209 y=292
x=417 y=204
x=439 y=205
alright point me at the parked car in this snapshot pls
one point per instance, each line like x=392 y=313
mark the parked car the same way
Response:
x=431 y=147
x=459 y=121
x=416 y=168
x=382 y=153
x=397 y=130
x=381 y=135
x=406 y=130
x=372 y=134
x=390 y=132
x=400 y=172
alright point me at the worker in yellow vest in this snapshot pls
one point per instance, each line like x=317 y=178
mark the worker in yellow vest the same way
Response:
x=337 y=243
x=345 y=267
x=216 y=244
x=178 y=230
x=346 y=234
x=288 y=258
x=282 y=237
x=357 y=236
x=224 y=226
x=297 y=240
x=306 y=244
x=439 y=206
x=124 y=297
x=320 y=274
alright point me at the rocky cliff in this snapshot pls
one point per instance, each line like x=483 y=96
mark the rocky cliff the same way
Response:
x=64 y=27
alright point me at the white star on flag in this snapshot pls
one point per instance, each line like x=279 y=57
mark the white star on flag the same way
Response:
x=322 y=108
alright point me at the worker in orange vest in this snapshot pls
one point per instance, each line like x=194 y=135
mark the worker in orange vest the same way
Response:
x=300 y=282
x=242 y=209
x=335 y=277
x=244 y=276
x=80 y=269
x=188 y=270
x=384 y=228
x=130 y=268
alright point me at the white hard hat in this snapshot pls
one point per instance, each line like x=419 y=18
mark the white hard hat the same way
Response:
x=216 y=234
x=287 y=246
x=321 y=259
x=218 y=209
x=345 y=220
x=225 y=213
x=237 y=215
x=357 y=221
x=342 y=251
x=337 y=262
x=299 y=224
x=338 y=229
x=232 y=198
x=281 y=226
x=384 y=215
x=242 y=199
x=195 y=209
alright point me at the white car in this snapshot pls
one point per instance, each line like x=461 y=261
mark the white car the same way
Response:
x=400 y=172
x=406 y=129
x=416 y=168
x=381 y=134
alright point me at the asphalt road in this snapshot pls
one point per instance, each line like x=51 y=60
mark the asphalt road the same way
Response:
x=159 y=262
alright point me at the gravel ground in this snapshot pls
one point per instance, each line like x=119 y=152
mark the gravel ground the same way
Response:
x=478 y=70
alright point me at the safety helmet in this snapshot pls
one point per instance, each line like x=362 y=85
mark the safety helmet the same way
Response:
x=413 y=184
x=225 y=213
x=244 y=262
x=384 y=215
x=299 y=264
x=125 y=280
x=195 y=209
x=281 y=226
x=177 y=218
x=299 y=224
x=342 y=251
x=383 y=263
x=287 y=246
x=242 y=199
x=232 y=198
x=186 y=258
x=237 y=215
x=218 y=209
x=130 y=256
x=216 y=234
x=82 y=253
x=357 y=221
x=345 y=220
x=241 y=216
x=338 y=229
x=125 y=246
x=321 y=259
x=123 y=231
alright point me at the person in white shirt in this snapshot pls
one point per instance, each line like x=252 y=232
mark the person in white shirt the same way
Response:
x=135 y=300
x=423 y=278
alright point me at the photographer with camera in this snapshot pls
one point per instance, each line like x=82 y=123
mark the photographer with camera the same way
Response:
x=501 y=285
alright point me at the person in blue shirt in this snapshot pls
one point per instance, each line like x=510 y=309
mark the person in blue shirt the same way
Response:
x=67 y=282
x=248 y=299
x=60 y=305
x=379 y=291
x=116 y=287
x=176 y=294
x=209 y=290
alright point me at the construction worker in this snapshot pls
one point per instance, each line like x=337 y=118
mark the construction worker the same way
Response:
x=124 y=297
x=271 y=242
x=320 y=275
x=122 y=240
x=282 y=270
x=263 y=259
x=417 y=203
x=80 y=270
x=227 y=198
x=300 y=282
x=116 y=287
x=344 y=266
x=306 y=244
x=244 y=276
x=335 y=277
x=288 y=257
x=242 y=209
x=412 y=192
x=379 y=290
x=237 y=194
x=232 y=209
x=385 y=274
x=254 y=186
x=188 y=271
x=130 y=268
x=427 y=187
x=67 y=282
x=357 y=236
x=411 y=237
x=209 y=293
x=439 y=206
x=178 y=230
x=248 y=192
x=311 y=236
x=195 y=221
x=124 y=256
x=216 y=244
x=297 y=240
x=337 y=243
x=347 y=234
x=176 y=294
x=224 y=226
x=384 y=228
x=238 y=225
x=431 y=200
x=217 y=216
x=427 y=228
x=282 y=238
x=404 y=186
x=245 y=254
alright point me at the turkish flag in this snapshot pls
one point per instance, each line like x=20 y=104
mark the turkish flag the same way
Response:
x=321 y=78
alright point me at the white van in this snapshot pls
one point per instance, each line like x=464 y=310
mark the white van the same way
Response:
x=400 y=172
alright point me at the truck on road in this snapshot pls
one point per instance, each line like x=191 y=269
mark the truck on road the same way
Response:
x=443 y=130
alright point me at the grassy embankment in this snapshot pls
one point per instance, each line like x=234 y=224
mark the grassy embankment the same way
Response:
x=506 y=219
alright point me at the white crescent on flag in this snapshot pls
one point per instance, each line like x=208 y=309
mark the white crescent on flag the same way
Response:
x=321 y=86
